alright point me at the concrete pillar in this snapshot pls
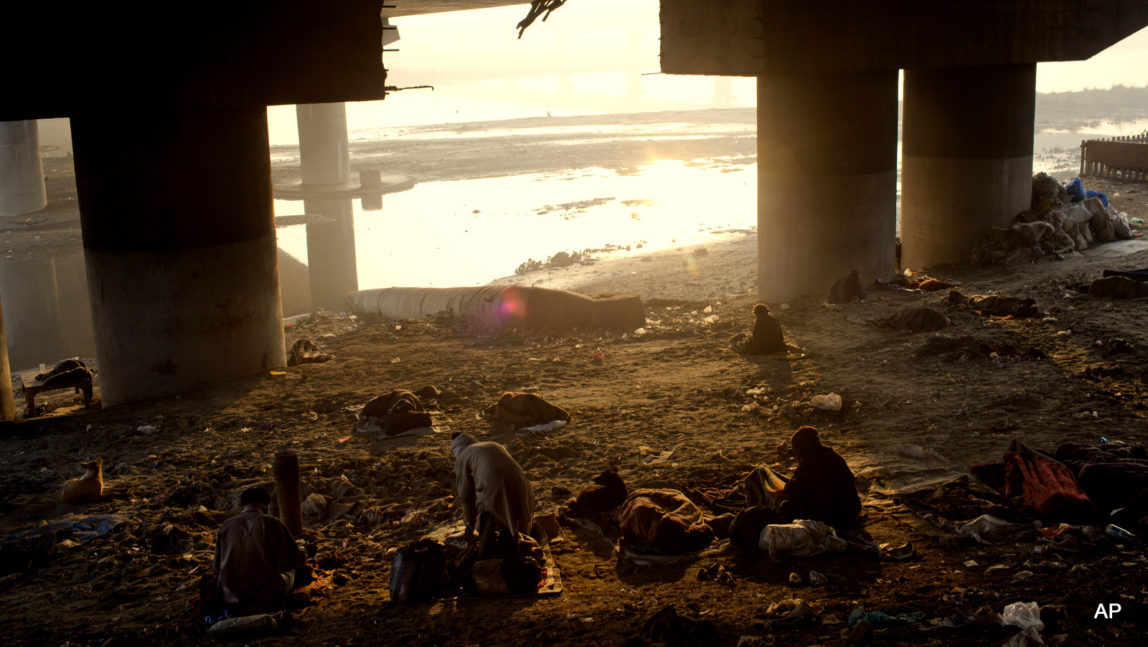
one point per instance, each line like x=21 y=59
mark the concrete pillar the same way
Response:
x=966 y=157
x=21 y=172
x=179 y=242
x=827 y=178
x=34 y=323
x=324 y=157
x=331 y=260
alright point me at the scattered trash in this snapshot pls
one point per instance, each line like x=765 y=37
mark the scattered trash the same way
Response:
x=987 y=529
x=1025 y=615
x=878 y=619
x=903 y=553
x=650 y=455
x=666 y=627
x=803 y=537
x=794 y=578
x=146 y=430
x=827 y=402
x=817 y=579
x=789 y=612
x=304 y=351
x=1118 y=533
x=716 y=573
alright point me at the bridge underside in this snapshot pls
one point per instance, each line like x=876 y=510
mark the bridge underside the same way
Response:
x=169 y=125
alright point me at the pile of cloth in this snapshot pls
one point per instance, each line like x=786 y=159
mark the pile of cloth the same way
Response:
x=1061 y=220
x=1080 y=485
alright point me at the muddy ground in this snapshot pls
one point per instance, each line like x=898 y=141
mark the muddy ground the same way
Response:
x=669 y=406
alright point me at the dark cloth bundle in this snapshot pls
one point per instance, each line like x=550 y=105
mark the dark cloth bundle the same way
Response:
x=396 y=412
x=517 y=410
x=663 y=522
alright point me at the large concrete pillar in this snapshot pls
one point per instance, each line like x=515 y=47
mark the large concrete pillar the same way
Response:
x=331 y=259
x=324 y=156
x=966 y=157
x=827 y=181
x=324 y=159
x=21 y=171
x=179 y=242
x=34 y=323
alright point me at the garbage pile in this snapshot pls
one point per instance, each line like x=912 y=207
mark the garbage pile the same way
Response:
x=1062 y=219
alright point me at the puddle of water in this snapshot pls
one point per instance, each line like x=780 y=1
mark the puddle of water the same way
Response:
x=469 y=232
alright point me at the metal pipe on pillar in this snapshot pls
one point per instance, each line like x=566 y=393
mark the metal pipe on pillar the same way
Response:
x=287 y=494
x=827 y=180
x=966 y=157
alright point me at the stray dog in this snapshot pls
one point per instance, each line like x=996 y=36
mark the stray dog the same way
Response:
x=87 y=488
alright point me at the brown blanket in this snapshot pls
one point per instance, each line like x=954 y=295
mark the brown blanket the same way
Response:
x=517 y=410
x=396 y=412
x=663 y=522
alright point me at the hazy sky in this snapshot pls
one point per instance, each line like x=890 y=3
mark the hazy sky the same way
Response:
x=592 y=50
x=595 y=33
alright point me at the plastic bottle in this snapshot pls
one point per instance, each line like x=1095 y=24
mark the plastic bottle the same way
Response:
x=1116 y=532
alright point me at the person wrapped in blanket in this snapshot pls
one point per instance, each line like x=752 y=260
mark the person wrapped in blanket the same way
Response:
x=822 y=488
x=256 y=559
x=496 y=498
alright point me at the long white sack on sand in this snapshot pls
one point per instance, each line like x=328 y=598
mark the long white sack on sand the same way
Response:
x=498 y=306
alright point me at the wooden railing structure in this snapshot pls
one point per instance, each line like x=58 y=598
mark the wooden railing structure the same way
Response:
x=1124 y=157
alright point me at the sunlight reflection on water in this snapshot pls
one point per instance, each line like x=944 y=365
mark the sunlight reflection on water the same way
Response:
x=469 y=232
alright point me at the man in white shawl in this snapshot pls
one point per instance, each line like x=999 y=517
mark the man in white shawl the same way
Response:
x=496 y=498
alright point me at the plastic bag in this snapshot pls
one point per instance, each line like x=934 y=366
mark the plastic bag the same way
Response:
x=803 y=537
x=1076 y=189
x=1023 y=615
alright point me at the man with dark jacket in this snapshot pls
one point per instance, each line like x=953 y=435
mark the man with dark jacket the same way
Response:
x=822 y=488
x=255 y=557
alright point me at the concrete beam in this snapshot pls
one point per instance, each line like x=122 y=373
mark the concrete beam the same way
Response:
x=209 y=55
x=421 y=7
x=752 y=37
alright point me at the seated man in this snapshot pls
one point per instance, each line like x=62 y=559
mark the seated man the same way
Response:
x=495 y=496
x=822 y=488
x=255 y=557
x=766 y=337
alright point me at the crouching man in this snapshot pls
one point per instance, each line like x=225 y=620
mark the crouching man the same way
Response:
x=495 y=496
x=822 y=488
x=256 y=559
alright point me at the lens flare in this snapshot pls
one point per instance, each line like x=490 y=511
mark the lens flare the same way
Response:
x=512 y=305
